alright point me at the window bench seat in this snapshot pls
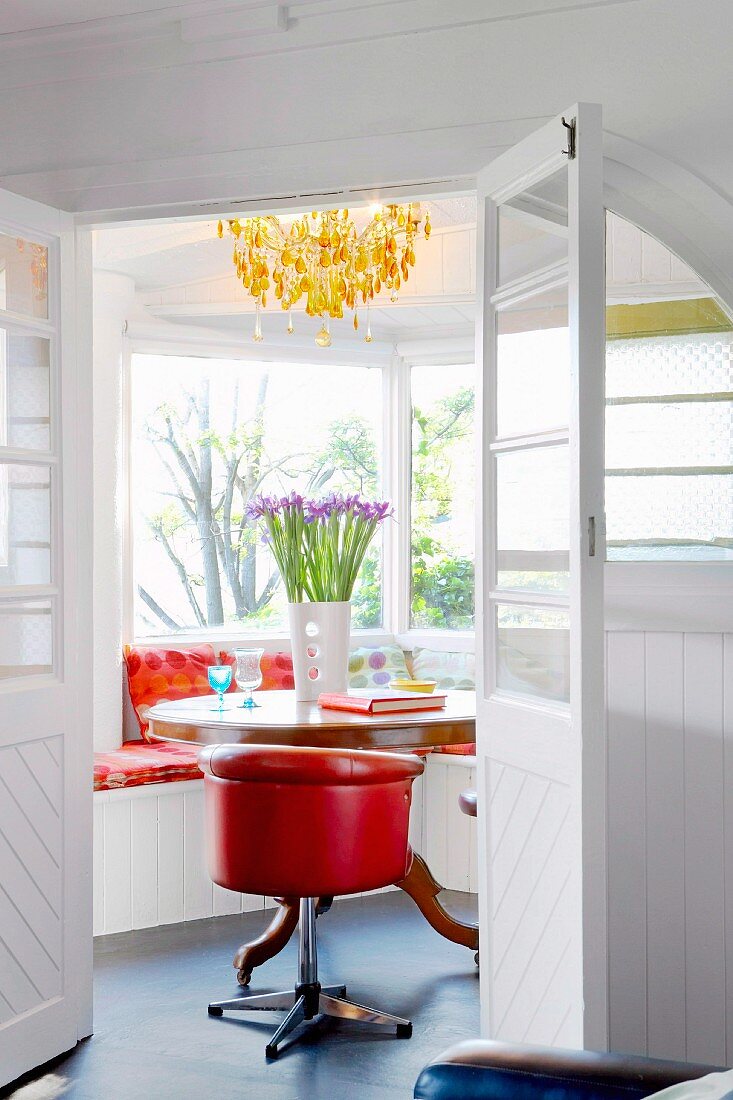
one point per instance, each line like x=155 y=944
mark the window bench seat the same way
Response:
x=149 y=858
x=138 y=763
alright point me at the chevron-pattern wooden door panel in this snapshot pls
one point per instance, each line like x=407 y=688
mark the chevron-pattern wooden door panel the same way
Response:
x=30 y=876
x=45 y=641
x=540 y=739
x=533 y=963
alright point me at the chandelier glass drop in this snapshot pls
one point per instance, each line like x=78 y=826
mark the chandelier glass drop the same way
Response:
x=322 y=260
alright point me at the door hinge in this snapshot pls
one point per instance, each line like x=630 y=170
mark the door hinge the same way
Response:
x=570 y=127
x=591 y=536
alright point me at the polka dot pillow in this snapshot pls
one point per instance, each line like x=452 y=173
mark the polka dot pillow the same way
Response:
x=277 y=672
x=375 y=666
x=276 y=669
x=157 y=674
x=449 y=670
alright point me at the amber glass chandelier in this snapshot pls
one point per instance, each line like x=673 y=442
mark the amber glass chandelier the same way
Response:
x=322 y=260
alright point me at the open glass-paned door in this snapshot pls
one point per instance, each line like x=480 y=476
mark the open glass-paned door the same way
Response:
x=45 y=640
x=540 y=681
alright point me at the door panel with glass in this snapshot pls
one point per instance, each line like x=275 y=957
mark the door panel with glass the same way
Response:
x=45 y=582
x=540 y=733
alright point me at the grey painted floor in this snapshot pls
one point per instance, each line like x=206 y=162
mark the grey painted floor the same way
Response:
x=154 y=1041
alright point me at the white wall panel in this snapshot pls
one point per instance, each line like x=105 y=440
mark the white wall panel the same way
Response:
x=665 y=843
x=170 y=854
x=670 y=723
x=626 y=855
x=728 y=827
x=144 y=862
x=197 y=886
x=704 y=882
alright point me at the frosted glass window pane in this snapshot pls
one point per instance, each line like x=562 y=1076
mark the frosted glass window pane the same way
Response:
x=669 y=416
x=698 y=433
x=25 y=524
x=26 y=638
x=533 y=365
x=24 y=391
x=533 y=651
x=533 y=525
x=23 y=277
x=665 y=365
x=532 y=229
x=685 y=517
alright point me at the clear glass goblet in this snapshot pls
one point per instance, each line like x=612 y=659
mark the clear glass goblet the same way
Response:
x=247 y=673
x=220 y=677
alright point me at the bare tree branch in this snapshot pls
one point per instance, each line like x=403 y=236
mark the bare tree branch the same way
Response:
x=157 y=529
x=155 y=607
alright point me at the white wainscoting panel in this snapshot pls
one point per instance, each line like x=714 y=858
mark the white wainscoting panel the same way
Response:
x=670 y=843
x=149 y=865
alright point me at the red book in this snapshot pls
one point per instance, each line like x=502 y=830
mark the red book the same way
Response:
x=385 y=702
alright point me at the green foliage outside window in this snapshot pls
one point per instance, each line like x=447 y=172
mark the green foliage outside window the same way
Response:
x=211 y=453
x=442 y=462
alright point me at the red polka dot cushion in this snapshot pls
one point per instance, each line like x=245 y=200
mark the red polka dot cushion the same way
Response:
x=156 y=674
x=276 y=668
x=375 y=666
x=137 y=763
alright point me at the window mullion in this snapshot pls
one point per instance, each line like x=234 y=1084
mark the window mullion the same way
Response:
x=397 y=448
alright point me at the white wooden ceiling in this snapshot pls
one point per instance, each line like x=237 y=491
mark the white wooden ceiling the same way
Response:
x=117 y=103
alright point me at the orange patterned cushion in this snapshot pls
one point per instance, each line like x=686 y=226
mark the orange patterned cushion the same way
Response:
x=157 y=674
x=138 y=763
x=276 y=668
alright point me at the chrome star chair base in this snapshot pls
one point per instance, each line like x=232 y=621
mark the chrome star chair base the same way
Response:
x=309 y=999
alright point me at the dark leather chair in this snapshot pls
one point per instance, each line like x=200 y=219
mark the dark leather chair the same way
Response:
x=484 y=1070
x=307 y=823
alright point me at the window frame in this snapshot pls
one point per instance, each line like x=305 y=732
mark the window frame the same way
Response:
x=420 y=353
x=49 y=328
x=396 y=451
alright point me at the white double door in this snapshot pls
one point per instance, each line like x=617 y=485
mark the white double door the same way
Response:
x=45 y=637
x=540 y=735
x=540 y=653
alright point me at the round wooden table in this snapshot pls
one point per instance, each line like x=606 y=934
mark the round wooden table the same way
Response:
x=280 y=720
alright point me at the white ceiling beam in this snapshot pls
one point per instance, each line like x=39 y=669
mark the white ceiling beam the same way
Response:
x=246 y=306
x=235 y=22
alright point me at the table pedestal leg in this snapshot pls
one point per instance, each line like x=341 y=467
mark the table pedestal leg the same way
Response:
x=274 y=938
x=270 y=943
x=424 y=890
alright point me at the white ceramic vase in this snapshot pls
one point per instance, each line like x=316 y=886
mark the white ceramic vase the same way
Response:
x=320 y=635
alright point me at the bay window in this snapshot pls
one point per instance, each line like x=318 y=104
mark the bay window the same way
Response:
x=206 y=433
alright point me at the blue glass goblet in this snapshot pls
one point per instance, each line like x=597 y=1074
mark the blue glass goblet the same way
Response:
x=220 y=677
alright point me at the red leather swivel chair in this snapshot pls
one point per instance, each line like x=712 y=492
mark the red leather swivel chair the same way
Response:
x=307 y=822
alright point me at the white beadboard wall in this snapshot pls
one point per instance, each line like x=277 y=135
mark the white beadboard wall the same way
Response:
x=670 y=834
x=149 y=865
